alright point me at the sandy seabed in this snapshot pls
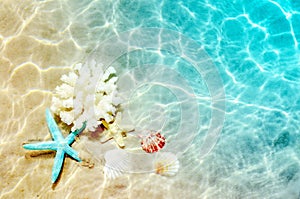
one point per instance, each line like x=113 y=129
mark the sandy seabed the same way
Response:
x=37 y=45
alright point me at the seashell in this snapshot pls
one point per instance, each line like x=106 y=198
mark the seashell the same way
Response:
x=166 y=164
x=117 y=163
x=153 y=142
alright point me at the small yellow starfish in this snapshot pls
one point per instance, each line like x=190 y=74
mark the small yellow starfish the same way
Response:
x=114 y=131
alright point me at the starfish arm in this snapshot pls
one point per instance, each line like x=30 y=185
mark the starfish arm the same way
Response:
x=71 y=137
x=71 y=152
x=79 y=130
x=54 y=130
x=107 y=135
x=119 y=139
x=50 y=145
x=58 y=162
x=128 y=128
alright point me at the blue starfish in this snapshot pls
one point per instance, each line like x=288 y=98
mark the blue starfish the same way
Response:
x=59 y=144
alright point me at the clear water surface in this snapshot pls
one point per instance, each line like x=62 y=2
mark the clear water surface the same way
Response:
x=255 y=46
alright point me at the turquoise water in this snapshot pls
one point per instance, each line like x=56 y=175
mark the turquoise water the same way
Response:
x=255 y=47
x=219 y=78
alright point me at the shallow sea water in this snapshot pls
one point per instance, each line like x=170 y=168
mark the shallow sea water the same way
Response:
x=254 y=46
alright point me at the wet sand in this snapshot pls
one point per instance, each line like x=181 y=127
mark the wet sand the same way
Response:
x=36 y=48
x=35 y=52
x=41 y=39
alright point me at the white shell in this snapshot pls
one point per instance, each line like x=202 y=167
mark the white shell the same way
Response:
x=117 y=163
x=166 y=164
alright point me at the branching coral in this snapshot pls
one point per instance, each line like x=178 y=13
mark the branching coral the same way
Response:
x=87 y=94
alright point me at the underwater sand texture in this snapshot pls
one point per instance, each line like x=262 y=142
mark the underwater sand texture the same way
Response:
x=37 y=47
x=254 y=44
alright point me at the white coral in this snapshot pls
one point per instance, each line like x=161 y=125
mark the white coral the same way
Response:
x=87 y=94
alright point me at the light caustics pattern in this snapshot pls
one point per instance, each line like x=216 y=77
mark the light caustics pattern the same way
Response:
x=153 y=91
